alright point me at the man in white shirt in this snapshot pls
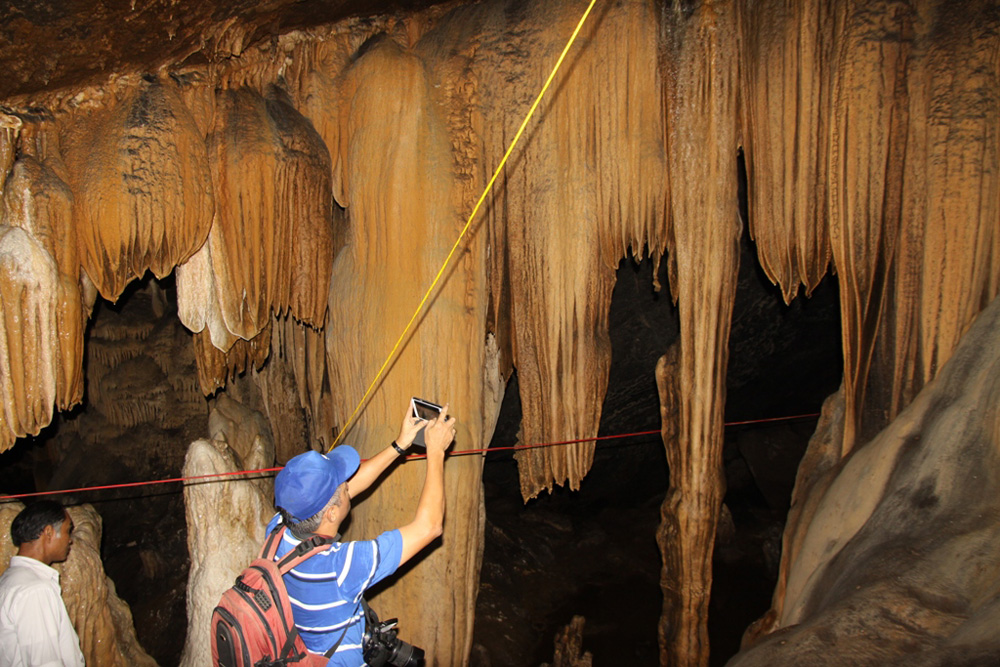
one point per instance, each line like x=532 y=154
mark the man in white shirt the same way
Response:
x=35 y=630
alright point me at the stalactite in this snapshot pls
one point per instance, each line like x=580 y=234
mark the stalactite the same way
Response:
x=142 y=191
x=701 y=105
x=215 y=367
x=314 y=67
x=111 y=344
x=113 y=354
x=29 y=283
x=38 y=200
x=298 y=352
x=198 y=298
x=786 y=55
x=560 y=239
x=913 y=207
x=869 y=132
x=272 y=244
x=10 y=129
x=869 y=115
x=135 y=372
x=946 y=267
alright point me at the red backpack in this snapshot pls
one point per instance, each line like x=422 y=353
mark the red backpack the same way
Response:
x=252 y=626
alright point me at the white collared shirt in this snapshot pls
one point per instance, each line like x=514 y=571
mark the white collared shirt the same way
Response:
x=35 y=630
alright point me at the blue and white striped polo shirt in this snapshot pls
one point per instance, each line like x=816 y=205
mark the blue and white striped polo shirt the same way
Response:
x=325 y=590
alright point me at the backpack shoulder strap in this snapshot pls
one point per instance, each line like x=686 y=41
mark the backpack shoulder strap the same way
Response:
x=271 y=543
x=302 y=551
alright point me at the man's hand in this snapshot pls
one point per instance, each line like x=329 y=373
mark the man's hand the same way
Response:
x=428 y=521
x=409 y=429
x=440 y=432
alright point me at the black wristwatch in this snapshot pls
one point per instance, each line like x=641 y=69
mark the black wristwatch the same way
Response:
x=397 y=447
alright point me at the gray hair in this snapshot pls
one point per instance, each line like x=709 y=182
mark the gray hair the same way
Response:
x=306 y=527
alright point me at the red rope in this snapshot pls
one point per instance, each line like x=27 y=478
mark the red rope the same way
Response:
x=213 y=476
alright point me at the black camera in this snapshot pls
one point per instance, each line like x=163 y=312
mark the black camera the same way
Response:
x=383 y=647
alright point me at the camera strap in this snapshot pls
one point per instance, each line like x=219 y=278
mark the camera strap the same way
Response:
x=333 y=649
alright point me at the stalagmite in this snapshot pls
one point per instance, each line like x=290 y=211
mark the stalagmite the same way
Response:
x=225 y=518
x=101 y=620
x=142 y=191
x=569 y=646
x=823 y=453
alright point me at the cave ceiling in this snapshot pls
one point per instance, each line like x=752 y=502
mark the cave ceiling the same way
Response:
x=46 y=44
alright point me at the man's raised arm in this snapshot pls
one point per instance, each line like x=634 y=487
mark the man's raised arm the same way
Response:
x=428 y=521
x=370 y=470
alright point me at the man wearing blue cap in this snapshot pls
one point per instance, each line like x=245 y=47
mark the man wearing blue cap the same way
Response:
x=313 y=495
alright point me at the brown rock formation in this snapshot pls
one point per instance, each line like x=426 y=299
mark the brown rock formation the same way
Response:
x=142 y=190
x=102 y=621
x=896 y=558
x=569 y=642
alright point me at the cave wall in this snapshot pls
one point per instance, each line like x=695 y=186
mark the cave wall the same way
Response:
x=896 y=563
x=306 y=187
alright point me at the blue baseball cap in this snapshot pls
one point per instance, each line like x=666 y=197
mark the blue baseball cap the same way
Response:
x=308 y=481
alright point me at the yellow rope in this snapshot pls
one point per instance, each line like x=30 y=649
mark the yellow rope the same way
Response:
x=475 y=209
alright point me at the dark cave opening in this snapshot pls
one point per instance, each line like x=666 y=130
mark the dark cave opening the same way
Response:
x=592 y=552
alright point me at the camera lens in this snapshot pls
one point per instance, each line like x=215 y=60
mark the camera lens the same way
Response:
x=406 y=655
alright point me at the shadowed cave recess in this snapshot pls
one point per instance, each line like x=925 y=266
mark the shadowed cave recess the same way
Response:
x=216 y=218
